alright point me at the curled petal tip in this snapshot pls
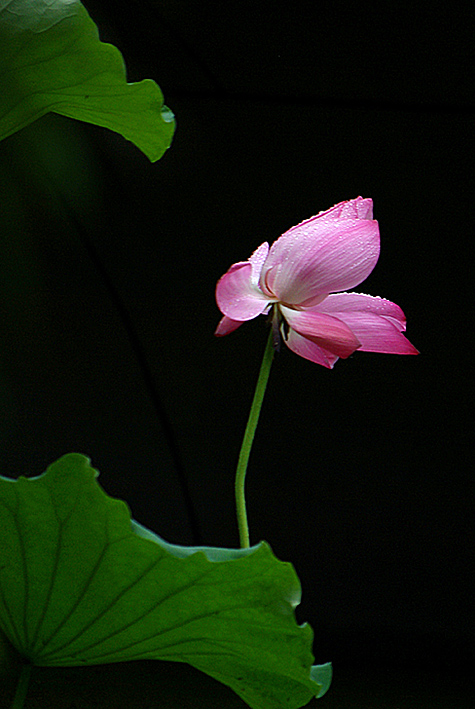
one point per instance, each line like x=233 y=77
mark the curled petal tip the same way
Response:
x=227 y=325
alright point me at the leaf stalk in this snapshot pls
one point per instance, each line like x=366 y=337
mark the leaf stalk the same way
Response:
x=22 y=687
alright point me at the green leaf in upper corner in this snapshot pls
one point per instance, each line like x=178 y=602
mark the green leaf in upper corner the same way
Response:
x=83 y=584
x=53 y=61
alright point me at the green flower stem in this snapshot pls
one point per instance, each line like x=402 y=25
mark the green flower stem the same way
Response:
x=248 y=439
x=22 y=687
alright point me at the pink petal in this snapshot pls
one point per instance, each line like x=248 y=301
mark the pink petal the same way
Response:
x=320 y=256
x=359 y=208
x=360 y=302
x=323 y=330
x=257 y=261
x=227 y=325
x=309 y=350
x=378 y=334
x=237 y=296
x=376 y=322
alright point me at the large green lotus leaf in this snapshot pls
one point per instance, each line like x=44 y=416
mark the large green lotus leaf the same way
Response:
x=83 y=584
x=51 y=59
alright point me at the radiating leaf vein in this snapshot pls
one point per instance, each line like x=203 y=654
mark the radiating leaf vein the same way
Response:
x=112 y=603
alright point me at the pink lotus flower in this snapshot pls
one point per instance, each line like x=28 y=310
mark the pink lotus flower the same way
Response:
x=299 y=279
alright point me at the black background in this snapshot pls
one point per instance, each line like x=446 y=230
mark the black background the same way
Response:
x=360 y=476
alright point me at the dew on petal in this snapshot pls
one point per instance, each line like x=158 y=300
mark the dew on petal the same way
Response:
x=309 y=270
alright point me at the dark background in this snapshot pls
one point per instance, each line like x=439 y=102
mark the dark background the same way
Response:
x=360 y=476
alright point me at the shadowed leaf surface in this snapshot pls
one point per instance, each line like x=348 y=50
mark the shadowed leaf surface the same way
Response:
x=83 y=584
x=53 y=61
